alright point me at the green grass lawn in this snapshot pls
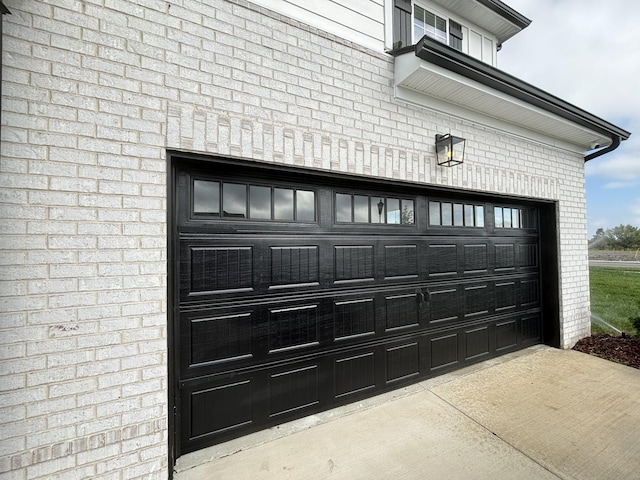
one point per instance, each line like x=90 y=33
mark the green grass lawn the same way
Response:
x=615 y=297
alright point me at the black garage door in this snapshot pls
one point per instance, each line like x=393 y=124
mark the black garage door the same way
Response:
x=297 y=294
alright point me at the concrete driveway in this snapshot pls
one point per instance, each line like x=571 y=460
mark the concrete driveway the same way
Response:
x=538 y=414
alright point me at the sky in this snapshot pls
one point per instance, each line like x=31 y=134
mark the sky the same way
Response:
x=586 y=52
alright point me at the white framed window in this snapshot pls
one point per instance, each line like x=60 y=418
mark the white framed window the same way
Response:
x=428 y=23
x=445 y=30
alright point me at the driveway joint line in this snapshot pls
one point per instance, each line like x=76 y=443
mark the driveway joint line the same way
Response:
x=555 y=474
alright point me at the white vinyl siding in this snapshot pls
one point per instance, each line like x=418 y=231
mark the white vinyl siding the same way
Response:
x=487 y=51
x=359 y=21
x=475 y=44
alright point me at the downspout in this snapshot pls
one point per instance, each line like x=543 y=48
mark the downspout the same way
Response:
x=615 y=143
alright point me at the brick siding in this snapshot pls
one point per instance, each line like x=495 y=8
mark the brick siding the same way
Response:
x=94 y=93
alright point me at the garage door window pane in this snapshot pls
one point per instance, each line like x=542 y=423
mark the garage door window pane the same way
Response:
x=407 y=212
x=234 y=200
x=506 y=217
x=457 y=214
x=260 y=202
x=479 y=216
x=360 y=209
x=515 y=218
x=497 y=211
x=206 y=197
x=447 y=214
x=305 y=206
x=283 y=203
x=434 y=213
x=393 y=210
x=468 y=216
x=343 y=207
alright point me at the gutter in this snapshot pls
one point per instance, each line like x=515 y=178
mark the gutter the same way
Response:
x=615 y=143
x=437 y=53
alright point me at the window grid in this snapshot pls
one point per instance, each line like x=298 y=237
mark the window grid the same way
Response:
x=373 y=209
x=453 y=214
x=430 y=24
x=231 y=200
x=511 y=217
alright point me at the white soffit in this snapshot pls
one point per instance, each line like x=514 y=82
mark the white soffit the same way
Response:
x=435 y=82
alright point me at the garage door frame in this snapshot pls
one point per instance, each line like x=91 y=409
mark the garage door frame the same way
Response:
x=548 y=237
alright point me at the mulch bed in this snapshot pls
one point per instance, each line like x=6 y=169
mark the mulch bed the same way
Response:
x=617 y=349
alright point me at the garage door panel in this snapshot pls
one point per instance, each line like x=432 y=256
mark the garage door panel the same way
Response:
x=402 y=362
x=444 y=304
x=505 y=257
x=506 y=295
x=528 y=256
x=293 y=389
x=293 y=327
x=530 y=293
x=530 y=329
x=216 y=339
x=354 y=374
x=262 y=328
x=478 y=299
x=354 y=263
x=295 y=266
x=220 y=338
x=354 y=318
x=476 y=343
x=402 y=311
x=220 y=268
x=475 y=259
x=400 y=261
x=443 y=260
x=444 y=351
x=215 y=269
x=506 y=335
x=221 y=408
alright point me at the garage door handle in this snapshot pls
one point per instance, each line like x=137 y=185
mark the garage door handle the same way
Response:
x=422 y=298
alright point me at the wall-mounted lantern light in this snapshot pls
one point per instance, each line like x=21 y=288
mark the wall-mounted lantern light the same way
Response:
x=449 y=150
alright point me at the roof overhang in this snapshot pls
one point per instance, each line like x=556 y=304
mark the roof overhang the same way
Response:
x=444 y=76
x=492 y=15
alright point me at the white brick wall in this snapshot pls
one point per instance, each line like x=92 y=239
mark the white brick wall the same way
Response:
x=83 y=177
x=93 y=94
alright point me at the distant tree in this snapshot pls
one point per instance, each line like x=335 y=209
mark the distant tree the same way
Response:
x=599 y=241
x=622 y=237
x=625 y=237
